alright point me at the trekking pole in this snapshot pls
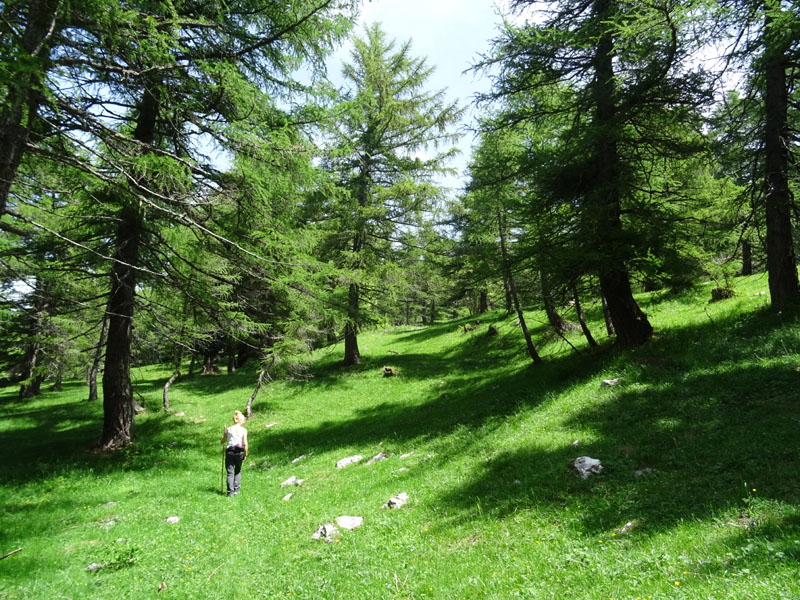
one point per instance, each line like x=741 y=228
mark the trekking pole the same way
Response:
x=222 y=472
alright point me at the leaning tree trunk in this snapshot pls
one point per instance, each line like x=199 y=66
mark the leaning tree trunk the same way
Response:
x=630 y=323
x=781 y=267
x=98 y=357
x=24 y=94
x=509 y=276
x=557 y=322
x=607 y=317
x=351 y=354
x=579 y=311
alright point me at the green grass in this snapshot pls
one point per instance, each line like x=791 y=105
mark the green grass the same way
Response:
x=710 y=406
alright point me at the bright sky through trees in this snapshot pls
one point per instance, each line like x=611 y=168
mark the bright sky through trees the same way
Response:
x=451 y=34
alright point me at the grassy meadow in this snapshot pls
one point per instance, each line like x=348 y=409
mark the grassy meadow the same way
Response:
x=699 y=497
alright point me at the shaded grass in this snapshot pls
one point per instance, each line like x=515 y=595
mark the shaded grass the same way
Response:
x=708 y=409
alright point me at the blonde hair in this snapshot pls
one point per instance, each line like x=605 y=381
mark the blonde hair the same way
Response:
x=238 y=417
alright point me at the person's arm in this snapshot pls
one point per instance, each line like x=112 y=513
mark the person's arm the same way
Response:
x=224 y=436
x=244 y=445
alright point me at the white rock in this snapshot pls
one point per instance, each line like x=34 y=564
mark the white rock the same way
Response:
x=287 y=497
x=350 y=460
x=627 y=528
x=94 y=567
x=325 y=532
x=586 y=466
x=406 y=455
x=376 y=458
x=346 y=522
x=108 y=524
x=610 y=382
x=397 y=501
x=112 y=503
x=180 y=414
x=643 y=471
x=172 y=520
x=576 y=443
x=292 y=481
x=299 y=458
x=268 y=425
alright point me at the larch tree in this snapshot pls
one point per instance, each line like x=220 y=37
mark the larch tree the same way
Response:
x=384 y=154
x=620 y=70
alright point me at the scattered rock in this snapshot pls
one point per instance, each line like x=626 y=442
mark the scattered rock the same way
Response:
x=292 y=481
x=392 y=352
x=108 y=524
x=642 y=471
x=288 y=497
x=325 y=533
x=626 y=529
x=162 y=586
x=760 y=294
x=180 y=414
x=172 y=520
x=397 y=501
x=94 y=567
x=576 y=443
x=402 y=469
x=610 y=382
x=268 y=425
x=378 y=457
x=406 y=455
x=350 y=460
x=389 y=372
x=586 y=466
x=107 y=504
x=299 y=458
x=468 y=327
x=346 y=522
x=172 y=444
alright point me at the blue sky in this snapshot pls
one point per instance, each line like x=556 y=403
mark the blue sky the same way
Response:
x=450 y=34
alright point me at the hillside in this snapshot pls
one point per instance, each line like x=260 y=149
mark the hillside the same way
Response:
x=699 y=495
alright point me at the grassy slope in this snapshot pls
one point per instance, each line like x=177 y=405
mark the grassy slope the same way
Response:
x=711 y=406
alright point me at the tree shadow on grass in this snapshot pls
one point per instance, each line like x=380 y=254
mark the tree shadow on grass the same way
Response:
x=696 y=444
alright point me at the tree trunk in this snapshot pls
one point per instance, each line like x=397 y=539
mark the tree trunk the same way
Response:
x=98 y=357
x=781 y=267
x=263 y=374
x=509 y=301
x=630 y=323
x=579 y=311
x=747 y=258
x=513 y=289
x=24 y=95
x=607 y=316
x=433 y=311
x=192 y=362
x=351 y=354
x=231 y=359
x=175 y=375
x=118 y=404
x=557 y=322
x=483 y=302
x=31 y=376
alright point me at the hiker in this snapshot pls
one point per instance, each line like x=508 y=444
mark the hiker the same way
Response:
x=235 y=452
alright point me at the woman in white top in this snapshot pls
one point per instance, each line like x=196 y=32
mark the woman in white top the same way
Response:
x=235 y=452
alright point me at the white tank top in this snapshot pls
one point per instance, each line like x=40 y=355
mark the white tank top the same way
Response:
x=235 y=435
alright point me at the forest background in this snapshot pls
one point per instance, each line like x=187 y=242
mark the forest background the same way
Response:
x=609 y=158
